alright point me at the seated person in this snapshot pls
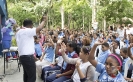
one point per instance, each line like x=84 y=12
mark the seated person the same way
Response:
x=84 y=71
x=67 y=69
x=58 y=64
x=110 y=72
x=38 y=48
x=46 y=59
x=52 y=67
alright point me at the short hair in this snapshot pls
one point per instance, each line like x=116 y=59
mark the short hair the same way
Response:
x=73 y=45
x=113 y=36
x=35 y=37
x=117 y=42
x=27 y=22
x=124 y=50
x=106 y=44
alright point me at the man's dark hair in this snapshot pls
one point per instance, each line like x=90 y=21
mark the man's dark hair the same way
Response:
x=27 y=22
x=106 y=44
x=114 y=37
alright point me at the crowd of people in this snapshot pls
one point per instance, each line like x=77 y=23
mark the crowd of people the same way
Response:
x=84 y=56
x=65 y=55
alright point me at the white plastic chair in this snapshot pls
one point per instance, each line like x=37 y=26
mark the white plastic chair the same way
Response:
x=13 y=48
x=127 y=66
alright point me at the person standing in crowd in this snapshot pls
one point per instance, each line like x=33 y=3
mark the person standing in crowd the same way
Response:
x=121 y=32
x=25 y=42
x=7 y=33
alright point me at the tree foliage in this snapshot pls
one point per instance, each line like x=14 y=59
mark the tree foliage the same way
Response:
x=78 y=13
x=74 y=11
x=115 y=10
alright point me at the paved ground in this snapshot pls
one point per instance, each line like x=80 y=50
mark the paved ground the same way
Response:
x=15 y=76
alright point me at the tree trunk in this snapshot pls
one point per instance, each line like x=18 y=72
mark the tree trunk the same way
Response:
x=62 y=17
x=104 y=24
x=83 y=20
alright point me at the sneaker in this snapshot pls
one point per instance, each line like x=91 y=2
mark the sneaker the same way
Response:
x=15 y=57
x=7 y=58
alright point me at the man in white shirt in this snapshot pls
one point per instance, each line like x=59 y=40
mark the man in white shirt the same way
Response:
x=25 y=42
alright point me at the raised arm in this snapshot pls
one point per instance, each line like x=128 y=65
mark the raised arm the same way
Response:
x=69 y=60
x=40 y=27
x=125 y=34
x=65 y=57
x=92 y=53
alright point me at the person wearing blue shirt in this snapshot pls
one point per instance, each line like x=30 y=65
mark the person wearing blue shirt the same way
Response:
x=104 y=54
x=117 y=37
x=110 y=71
x=95 y=38
x=60 y=34
x=110 y=39
x=47 y=58
x=67 y=69
x=105 y=77
x=124 y=54
x=7 y=33
x=38 y=49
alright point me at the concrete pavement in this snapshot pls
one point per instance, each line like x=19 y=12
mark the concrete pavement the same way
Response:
x=13 y=74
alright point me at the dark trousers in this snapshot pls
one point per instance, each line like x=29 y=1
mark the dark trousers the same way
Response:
x=6 y=45
x=49 y=68
x=29 y=68
x=52 y=78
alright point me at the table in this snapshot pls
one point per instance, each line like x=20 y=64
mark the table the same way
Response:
x=12 y=49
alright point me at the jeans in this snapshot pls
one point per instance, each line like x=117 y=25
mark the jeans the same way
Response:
x=52 y=78
x=6 y=45
x=29 y=68
x=49 y=68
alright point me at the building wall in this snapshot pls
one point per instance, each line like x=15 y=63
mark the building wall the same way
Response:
x=3 y=11
x=3 y=17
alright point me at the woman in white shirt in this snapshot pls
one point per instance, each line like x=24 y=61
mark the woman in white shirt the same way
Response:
x=84 y=71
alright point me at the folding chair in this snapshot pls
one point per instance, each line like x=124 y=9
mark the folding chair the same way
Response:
x=127 y=66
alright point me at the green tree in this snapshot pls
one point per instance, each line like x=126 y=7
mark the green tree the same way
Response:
x=115 y=10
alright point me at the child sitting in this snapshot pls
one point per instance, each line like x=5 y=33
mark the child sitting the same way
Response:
x=110 y=71
x=123 y=53
x=48 y=58
x=104 y=54
x=67 y=69
x=56 y=66
x=84 y=71
x=38 y=48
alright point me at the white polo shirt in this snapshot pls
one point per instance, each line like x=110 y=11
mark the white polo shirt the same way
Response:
x=25 y=41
